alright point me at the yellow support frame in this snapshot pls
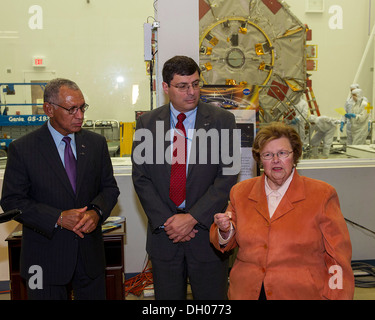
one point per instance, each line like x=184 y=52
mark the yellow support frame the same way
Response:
x=127 y=130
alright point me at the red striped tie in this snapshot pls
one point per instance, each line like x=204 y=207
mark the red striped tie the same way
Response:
x=177 y=190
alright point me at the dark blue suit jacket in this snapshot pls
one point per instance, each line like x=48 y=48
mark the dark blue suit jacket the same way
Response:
x=36 y=182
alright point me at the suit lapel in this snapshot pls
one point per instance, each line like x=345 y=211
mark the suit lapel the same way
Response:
x=165 y=117
x=202 y=121
x=82 y=157
x=49 y=151
x=258 y=194
x=203 y=118
x=295 y=193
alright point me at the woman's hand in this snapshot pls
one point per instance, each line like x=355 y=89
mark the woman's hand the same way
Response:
x=222 y=220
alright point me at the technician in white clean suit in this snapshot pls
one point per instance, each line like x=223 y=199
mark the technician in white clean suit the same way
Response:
x=348 y=109
x=301 y=114
x=324 y=130
x=359 y=118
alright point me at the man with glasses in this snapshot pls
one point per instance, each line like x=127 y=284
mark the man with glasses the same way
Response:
x=181 y=196
x=61 y=178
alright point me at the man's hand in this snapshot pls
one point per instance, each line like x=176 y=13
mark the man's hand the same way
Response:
x=180 y=227
x=190 y=236
x=69 y=218
x=88 y=223
x=79 y=221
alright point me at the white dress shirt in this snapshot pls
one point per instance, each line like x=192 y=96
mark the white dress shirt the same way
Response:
x=274 y=196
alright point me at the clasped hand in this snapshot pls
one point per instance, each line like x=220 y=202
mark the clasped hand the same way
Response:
x=79 y=221
x=180 y=227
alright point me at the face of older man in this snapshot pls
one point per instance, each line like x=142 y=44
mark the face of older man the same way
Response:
x=278 y=169
x=60 y=118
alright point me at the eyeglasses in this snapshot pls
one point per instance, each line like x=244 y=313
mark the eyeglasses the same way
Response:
x=184 y=87
x=283 y=154
x=73 y=110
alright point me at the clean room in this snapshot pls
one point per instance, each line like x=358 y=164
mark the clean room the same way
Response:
x=298 y=59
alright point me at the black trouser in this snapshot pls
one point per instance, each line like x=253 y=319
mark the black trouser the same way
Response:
x=208 y=280
x=84 y=288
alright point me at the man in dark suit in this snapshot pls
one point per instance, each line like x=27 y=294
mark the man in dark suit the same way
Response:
x=178 y=226
x=61 y=218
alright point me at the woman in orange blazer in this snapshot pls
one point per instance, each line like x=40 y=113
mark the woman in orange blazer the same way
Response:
x=292 y=239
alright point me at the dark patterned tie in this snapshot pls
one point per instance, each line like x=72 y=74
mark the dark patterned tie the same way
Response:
x=177 y=190
x=70 y=162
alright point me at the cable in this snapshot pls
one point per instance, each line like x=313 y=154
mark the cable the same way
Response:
x=364 y=281
x=138 y=283
x=359 y=226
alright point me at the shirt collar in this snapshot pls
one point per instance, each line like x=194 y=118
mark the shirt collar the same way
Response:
x=175 y=113
x=57 y=136
x=282 y=190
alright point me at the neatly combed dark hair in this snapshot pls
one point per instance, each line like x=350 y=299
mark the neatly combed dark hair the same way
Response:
x=273 y=131
x=181 y=65
x=51 y=92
